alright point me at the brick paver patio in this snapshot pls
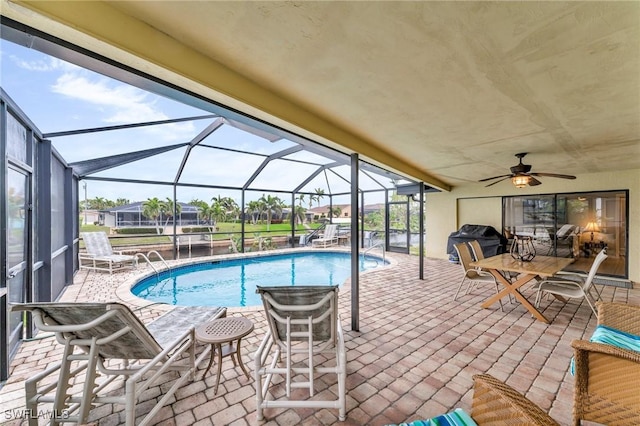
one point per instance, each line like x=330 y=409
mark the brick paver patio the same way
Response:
x=413 y=357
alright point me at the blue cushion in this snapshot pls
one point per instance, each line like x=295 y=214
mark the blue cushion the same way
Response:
x=458 y=417
x=613 y=337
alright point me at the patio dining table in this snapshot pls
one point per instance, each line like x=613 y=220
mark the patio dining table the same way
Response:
x=540 y=266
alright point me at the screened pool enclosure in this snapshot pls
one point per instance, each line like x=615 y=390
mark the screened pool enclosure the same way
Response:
x=168 y=171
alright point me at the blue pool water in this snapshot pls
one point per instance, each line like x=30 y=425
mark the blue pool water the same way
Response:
x=232 y=283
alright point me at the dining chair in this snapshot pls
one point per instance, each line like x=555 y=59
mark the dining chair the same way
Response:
x=478 y=254
x=569 y=285
x=471 y=274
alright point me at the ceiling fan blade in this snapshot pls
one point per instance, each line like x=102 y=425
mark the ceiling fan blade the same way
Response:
x=495 y=177
x=498 y=181
x=533 y=181
x=555 y=175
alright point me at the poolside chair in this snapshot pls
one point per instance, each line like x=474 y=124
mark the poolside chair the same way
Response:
x=566 y=236
x=101 y=257
x=471 y=274
x=607 y=374
x=107 y=341
x=569 y=285
x=328 y=238
x=303 y=324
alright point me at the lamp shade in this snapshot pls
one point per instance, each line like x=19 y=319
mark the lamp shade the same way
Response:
x=592 y=227
x=520 y=181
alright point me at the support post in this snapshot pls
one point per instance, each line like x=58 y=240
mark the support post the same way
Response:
x=355 y=269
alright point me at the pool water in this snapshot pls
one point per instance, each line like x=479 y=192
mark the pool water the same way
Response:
x=232 y=283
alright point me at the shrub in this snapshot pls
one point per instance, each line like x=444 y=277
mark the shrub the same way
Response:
x=197 y=229
x=137 y=231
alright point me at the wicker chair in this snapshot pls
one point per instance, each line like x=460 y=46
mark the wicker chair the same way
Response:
x=607 y=377
x=496 y=403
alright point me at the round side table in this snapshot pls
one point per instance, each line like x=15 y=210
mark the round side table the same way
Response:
x=220 y=331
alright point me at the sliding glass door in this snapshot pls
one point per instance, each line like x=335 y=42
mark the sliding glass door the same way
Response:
x=576 y=225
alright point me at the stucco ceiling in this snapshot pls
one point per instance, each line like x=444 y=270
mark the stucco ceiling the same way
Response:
x=453 y=88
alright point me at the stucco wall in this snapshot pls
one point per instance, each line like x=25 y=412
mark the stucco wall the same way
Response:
x=446 y=211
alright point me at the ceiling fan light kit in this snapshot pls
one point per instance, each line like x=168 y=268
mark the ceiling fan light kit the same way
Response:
x=522 y=176
x=520 y=181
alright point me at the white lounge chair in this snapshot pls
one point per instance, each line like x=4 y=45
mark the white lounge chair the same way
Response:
x=303 y=322
x=101 y=257
x=107 y=341
x=328 y=238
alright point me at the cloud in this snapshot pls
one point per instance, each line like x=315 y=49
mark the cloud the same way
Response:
x=46 y=64
x=121 y=104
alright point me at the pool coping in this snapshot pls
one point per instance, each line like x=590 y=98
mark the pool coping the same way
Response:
x=123 y=291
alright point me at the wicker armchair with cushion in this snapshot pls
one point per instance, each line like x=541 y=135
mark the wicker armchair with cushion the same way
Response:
x=494 y=404
x=607 y=375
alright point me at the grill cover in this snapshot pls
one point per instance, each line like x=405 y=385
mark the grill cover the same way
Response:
x=491 y=241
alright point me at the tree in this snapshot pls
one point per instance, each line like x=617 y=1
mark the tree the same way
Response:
x=319 y=194
x=271 y=204
x=218 y=213
x=299 y=214
x=198 y=203
x=206 y=213
x=168 y=209
x=229 y=206
x=99 y=203
x=122 y=202
x=335 y=211
x=151 y=209
x=253 y=209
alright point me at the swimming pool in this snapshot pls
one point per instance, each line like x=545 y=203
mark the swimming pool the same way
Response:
x=232 y=283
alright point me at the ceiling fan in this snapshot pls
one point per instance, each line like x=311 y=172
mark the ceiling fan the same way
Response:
x=521 y=175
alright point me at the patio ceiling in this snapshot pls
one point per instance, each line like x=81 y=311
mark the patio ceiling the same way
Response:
x=445 y=92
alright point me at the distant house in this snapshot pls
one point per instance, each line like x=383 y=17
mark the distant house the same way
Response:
x=89 y=216
x=130 y=215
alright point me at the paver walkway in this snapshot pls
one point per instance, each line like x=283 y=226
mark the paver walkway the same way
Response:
x=413 y=356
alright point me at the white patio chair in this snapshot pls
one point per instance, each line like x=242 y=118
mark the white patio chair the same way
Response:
x=328 y=238
x=100 y=255
x=107 y=341
x=303 y=323
x=569 y=285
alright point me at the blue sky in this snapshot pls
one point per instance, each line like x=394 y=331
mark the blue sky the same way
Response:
x=58 y=96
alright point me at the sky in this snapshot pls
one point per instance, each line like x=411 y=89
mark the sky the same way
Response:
x=59 y=96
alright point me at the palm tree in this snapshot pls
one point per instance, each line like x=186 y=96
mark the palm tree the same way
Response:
x=205 y=213
x=99 y=203
x=122 y=202
x=335 y=211
x=300 y=214
x=228 y=204
x=218 y=213
x=253 y=207
x=319 y=194
x=169 y=208
x=198 y=203
x=271 y=204
x=151 y=209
